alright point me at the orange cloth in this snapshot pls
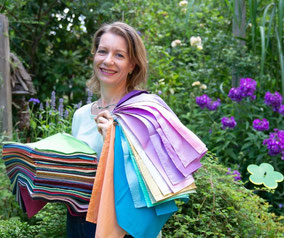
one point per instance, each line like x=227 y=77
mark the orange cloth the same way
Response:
x=101 y=207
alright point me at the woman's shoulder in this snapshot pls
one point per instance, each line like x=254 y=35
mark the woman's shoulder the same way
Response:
x=84 y=110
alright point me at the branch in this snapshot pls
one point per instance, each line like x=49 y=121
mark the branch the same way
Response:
x=3 y=6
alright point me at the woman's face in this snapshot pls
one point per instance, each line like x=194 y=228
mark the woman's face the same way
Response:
x=111 y=62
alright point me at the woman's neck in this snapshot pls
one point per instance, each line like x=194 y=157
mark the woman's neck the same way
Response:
x=111 y=96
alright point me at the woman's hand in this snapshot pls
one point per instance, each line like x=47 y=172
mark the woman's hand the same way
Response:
x=103 y=120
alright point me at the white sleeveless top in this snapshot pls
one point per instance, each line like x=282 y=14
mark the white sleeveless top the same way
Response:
x=85 y=128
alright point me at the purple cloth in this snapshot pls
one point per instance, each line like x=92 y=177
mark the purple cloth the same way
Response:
x=167 y=142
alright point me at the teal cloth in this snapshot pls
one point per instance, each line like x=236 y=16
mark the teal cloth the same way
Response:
x=138 y=222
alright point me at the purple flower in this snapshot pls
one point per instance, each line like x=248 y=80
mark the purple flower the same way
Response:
x=280 y=205
x=236 y=173
x=229 y=171
x=47 y=104
x=248 y=87
x=275 y=143
x=34 y=100
x=228 y=122
x=281 y=110
x=202 y=101
x=53 y=100
x=235 y=94
x=60 y=107
x=273 y=100
x=66 y=114
x=261 y=125
x=41 y=106
x=159 y=92
x=90 y=96
x=205 y=101
x=213 y=105
x=77 y=106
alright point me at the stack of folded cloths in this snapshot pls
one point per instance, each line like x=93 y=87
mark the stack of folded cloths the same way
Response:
x=59 y=168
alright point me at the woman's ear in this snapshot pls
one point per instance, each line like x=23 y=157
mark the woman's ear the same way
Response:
x=132 y=67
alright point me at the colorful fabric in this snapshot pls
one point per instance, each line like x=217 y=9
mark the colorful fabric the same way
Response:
x=143 y=148
x=58 y=168
x=147 y=161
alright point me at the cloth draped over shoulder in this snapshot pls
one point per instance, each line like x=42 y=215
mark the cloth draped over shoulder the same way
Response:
x=147 y=162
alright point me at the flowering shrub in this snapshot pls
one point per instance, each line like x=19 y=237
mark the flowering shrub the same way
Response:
x=261 y=125
x=52 y=118
x=228 y=122
x=243 y=137
x=246 y=89
x=205 y=101
x=236 y=174
x=273 y=100
x=175 y=43
x=196 y=42
x=281 y=110
x=275 y=143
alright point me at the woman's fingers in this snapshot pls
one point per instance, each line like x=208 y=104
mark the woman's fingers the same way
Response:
x=105 y=114
x=103 y=120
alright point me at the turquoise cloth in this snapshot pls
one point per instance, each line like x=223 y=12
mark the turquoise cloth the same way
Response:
x=138 y=222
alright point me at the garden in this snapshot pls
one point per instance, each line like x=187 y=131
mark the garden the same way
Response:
x=218 y=64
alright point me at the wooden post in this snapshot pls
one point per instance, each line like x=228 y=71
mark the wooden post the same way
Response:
x=5 y=83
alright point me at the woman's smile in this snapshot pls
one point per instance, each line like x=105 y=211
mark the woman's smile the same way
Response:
x=108 y=72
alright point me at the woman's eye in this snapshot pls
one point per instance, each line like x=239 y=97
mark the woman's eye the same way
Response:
x=101 y=51
x=120 y=55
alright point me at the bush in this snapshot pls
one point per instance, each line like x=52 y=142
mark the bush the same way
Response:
x=49 y=222
x=222 y=207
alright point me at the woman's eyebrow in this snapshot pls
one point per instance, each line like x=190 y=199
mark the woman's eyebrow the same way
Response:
x=117 y=50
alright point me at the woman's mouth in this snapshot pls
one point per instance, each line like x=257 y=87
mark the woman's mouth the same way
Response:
x=108 y=71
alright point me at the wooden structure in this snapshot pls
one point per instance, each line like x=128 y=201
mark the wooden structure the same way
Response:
x=14 y=79
x=21 y=81
x=21 y=85
x=5 y=83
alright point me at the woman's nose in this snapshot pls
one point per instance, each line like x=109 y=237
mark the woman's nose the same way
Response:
x=108 y=59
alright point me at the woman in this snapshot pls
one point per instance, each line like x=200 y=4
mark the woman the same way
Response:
x=146 y=129
x=120 y=66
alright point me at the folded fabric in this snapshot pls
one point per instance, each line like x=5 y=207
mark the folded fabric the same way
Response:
x=59 y=168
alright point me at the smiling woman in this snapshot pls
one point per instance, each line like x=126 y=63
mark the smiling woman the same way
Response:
x=146 y=156
x=112 y=64
x=133 y=48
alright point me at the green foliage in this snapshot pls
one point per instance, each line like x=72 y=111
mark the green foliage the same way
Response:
x=49 y=222
x=48 y=119
x=55 y=47
x=222 y=208
x=53 y=39
x=241 y=146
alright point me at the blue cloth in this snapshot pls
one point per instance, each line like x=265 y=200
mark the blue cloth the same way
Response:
x=138 y=222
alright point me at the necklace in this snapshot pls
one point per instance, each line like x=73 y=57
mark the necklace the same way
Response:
x=105 y=107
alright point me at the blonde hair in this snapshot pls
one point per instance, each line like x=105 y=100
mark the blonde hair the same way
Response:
x=136 y=52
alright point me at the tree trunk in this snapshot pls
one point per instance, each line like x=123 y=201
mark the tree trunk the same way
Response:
x=5 y=83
